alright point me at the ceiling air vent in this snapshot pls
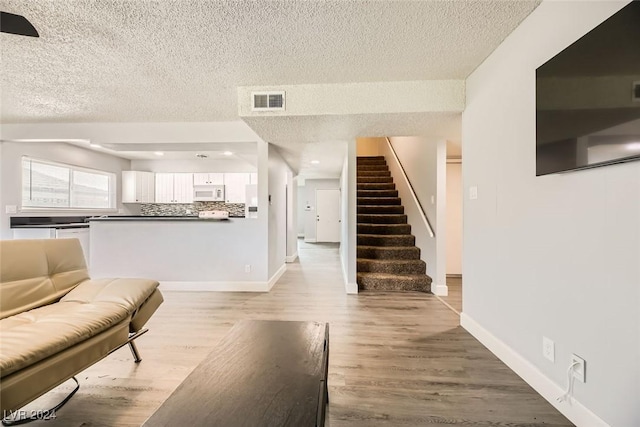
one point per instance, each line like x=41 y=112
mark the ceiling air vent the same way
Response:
x=636 y=91
x=267 y=101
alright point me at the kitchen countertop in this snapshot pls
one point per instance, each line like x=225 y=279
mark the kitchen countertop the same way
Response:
x=157 y=218
x=71 y=225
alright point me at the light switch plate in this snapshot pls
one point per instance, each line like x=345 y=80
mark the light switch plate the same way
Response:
x=548 y=349
x=473 y=192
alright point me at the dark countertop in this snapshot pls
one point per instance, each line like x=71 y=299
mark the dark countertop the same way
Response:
x=72 y=225
x=156 y=218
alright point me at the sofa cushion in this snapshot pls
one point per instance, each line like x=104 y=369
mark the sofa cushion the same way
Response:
x=37 y=334
x=37 y=272
x=128 y=293
x=89 y=309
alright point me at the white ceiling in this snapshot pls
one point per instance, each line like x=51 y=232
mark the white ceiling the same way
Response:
x=181 y=61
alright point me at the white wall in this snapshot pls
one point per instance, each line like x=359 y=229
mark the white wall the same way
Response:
x=192 y=255
x=369 y=146
x=11 y=172
x=311 y=185
x=348 y=206
x=454 y=218
x=557 y=255
x=278 y=172
x=424 y=162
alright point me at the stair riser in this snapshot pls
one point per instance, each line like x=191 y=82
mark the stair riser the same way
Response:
x=381 y=167
x=373 y=173
x=382 y=219
x=384 y=229
x=377 y=186
x=377 y=240
x=370 y=160
x=378 y=201
x=396 y=284
x=378 y=209
x=410 y=267
x=408 y=252
x=377 y=193
x=363 y=179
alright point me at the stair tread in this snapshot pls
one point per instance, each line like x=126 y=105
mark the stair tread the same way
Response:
x=391 y=276
x=392 y=261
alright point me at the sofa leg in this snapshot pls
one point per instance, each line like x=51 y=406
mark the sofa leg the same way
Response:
x=47 y=414
x=134 y=351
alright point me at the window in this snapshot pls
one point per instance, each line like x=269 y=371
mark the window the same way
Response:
x=54 y=185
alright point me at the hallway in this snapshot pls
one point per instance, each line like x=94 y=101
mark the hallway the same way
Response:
x=396 y=359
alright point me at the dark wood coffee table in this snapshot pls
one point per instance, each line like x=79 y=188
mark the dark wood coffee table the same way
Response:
x=262 y=373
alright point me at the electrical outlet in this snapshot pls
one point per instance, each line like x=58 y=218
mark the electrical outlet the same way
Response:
x=579 y=369
x=247 y=268
x=548 y=349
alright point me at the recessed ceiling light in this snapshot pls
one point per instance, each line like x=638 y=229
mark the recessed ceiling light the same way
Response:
x=227 y=153
x=633 y=146
x=95 y=145
x=315 y=162
x=158 y=153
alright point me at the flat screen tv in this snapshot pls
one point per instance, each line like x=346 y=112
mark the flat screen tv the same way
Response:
x=588 y=98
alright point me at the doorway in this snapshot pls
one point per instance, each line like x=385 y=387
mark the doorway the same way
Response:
x=328 y=215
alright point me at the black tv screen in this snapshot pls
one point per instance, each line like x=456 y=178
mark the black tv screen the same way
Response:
x=588 y=98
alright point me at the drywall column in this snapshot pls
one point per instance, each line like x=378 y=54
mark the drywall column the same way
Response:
x=454 y=217
x=553 y=256
x=292 y=217
x=277 y=223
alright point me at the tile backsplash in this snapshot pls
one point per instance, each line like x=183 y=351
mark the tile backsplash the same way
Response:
x=190 y=209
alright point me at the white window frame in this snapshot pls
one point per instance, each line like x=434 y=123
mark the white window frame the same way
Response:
x=112 y=187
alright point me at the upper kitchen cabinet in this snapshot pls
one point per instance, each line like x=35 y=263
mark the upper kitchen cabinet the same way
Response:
x=208 y=179
x=138 y=187
x=235 y=187
x=174 y=187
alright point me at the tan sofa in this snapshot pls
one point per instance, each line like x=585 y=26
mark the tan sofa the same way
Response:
x=55 y=321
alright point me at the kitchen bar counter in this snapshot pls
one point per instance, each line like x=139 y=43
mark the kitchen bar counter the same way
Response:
x=186 y=253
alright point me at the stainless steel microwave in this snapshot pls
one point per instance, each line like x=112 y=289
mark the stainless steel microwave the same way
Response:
x=208 y=193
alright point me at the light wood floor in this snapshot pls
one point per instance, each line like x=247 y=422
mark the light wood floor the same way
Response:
x=454 y=299
x=395 y=359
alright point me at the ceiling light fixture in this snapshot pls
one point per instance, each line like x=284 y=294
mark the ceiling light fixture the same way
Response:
x=633 y=146
x=201 y=156
x=315 y=162
x=158 y=153
x=227 y=153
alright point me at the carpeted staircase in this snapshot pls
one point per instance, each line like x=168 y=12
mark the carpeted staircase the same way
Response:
x=387 y=256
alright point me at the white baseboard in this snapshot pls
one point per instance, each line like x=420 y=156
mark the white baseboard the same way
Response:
x=310 y=240
x=350 y=288
x=574 y=411
x=292 y=258
x=276 y=276
x=214 y=286
x=440 y=290
x=300 y=235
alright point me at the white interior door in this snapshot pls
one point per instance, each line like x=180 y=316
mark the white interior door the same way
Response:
x=327 y=215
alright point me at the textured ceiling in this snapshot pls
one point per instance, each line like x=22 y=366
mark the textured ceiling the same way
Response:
x=182 y=61
x=164 y=60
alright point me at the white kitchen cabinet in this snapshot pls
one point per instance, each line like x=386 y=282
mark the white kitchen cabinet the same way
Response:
x=208 y=179
x=138 y=187
x=81 y=234
x=235 y=186
x=174 y=188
